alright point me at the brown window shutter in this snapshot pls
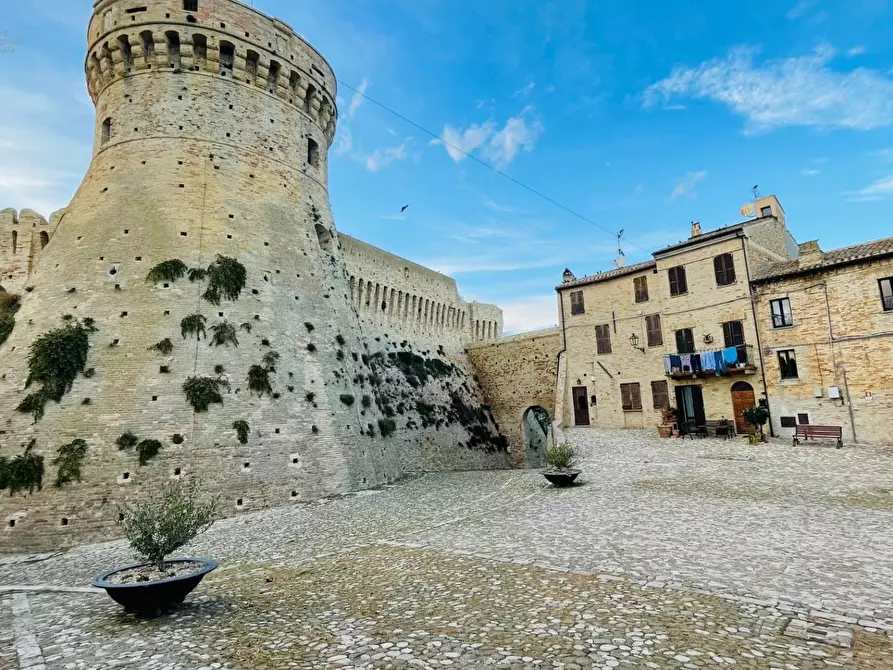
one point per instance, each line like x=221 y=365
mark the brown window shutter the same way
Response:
x=636 y=396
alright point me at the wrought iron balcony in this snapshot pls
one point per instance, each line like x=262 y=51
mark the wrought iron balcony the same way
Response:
x=712 y=363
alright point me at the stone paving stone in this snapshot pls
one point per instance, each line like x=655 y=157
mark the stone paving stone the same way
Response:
x=700 y=553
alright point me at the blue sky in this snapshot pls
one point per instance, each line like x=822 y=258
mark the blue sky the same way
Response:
x=639 y=115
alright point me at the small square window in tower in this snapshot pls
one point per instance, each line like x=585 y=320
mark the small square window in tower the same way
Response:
x=190 y=5
x=312 y=153
x=106 y=131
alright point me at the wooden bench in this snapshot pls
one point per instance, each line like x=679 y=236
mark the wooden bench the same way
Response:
x=807 y=431
x=719 y=430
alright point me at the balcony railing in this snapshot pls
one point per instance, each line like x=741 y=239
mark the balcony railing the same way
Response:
x=712 y=363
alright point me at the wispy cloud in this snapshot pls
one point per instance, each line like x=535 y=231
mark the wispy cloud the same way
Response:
x=525 y=90
x=800 y=10
x=383 y=157
x=498 y=208
x=357 y=98
x=883 y=154
x=796 y=91
x=809 y=172
x=529 y=313
x=857 y=50
x=343 y=140
x=879 y=190
x=499 y=145
x=686 y=184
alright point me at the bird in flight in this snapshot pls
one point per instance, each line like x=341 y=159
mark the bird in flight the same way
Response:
x=403 y=209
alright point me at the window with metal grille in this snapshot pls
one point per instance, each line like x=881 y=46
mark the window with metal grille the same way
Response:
x=781 y=313
x=724 y=269
x=660 y=393
x=733 y=333
x=603 y=339
x=640 y=286
x=787 y=364
x=678 y=284
x=886 y=285
x=685 y=341
x=190 y=5
x=653 y=330
x=631 y=397
x=577 y=306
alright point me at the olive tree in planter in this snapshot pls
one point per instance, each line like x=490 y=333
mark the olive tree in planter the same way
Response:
x=561 y=460
x=155 y=529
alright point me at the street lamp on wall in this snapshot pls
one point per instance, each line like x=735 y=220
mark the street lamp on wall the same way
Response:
x=634 y=341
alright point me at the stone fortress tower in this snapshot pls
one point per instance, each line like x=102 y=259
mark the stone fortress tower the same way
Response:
x=213 y=123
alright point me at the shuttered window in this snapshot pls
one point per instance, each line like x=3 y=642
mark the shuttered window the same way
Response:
x=724 y=268
x=733 y=333
x=660 y=394
x=685 y=341
x=603 y=339
x=640 y=286
x=653 y=330
x=577 y=306
x=631 y=397
x=678 y=284
x=787 y=363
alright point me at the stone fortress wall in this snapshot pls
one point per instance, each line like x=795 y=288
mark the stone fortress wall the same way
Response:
x=23 y=235
x=392 y=294
x=211 y=138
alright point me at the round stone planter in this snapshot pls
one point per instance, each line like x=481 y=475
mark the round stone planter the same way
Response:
x=152 y=598
x=561 y=478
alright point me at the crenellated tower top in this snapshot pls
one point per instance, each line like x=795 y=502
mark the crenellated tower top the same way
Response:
x=211 y=38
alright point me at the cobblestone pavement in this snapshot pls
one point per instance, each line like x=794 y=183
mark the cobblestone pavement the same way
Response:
x=672 y=554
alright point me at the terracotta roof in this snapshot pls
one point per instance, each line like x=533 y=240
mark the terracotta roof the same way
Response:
x=835 y=257
x=713 y=234
x=609 y=274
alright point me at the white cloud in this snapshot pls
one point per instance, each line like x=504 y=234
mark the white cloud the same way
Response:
x=686 y=184
x=525 y=90
x=461 y=142
x=498 y=208
x=529 y=313
x=500 y=146
x=357 y=98
x=879 y=190
x=809 y=172
x=857 y=50
x=343 y=140
x=383 y=157
x=796 y=91
x=515 y=137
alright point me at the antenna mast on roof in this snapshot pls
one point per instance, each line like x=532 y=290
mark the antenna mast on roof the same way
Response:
x=620 y=261
x=756 y=193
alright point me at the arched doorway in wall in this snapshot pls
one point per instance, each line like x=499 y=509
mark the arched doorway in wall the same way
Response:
x=742 y=398
x=535 y=427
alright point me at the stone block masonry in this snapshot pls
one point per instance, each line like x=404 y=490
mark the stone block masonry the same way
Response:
x=211 y=138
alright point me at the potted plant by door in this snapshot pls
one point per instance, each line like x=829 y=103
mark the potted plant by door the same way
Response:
x=155 y=529
x=757 y=417
x=561 y=460
x=665 y=429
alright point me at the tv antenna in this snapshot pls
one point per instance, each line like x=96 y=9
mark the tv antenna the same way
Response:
x=620 y=261
x=756 y=193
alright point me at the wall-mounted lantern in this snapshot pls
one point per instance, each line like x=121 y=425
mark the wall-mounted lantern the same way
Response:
x=634 y=341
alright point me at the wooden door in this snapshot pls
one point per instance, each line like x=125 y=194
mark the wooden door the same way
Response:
x=581 y=406
x=741 y=400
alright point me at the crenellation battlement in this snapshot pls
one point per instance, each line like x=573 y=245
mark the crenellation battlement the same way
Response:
x=272 y=59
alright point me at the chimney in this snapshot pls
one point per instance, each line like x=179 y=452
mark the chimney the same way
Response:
x=695 y=228
x=567 y=276
x=810 y=253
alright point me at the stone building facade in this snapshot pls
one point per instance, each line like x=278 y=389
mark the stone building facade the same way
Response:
x=213 y=123
x=826 y=324
x=623 y=326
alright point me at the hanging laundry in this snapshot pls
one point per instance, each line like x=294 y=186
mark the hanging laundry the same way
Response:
x=696 y=363
x=708 y=362
x=730 y=354
x=720 y=363
x=668 y=364
x=675 y=363
x=685 y=361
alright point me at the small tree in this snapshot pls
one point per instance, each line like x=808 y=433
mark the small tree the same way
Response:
x=161 y=525
x=757 y=417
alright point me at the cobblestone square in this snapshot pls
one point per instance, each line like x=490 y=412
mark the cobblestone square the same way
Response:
x=671 y=554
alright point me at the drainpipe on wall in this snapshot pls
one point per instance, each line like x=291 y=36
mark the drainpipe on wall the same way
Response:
x=756 y=327
x=846 y=387
x=558 y=361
